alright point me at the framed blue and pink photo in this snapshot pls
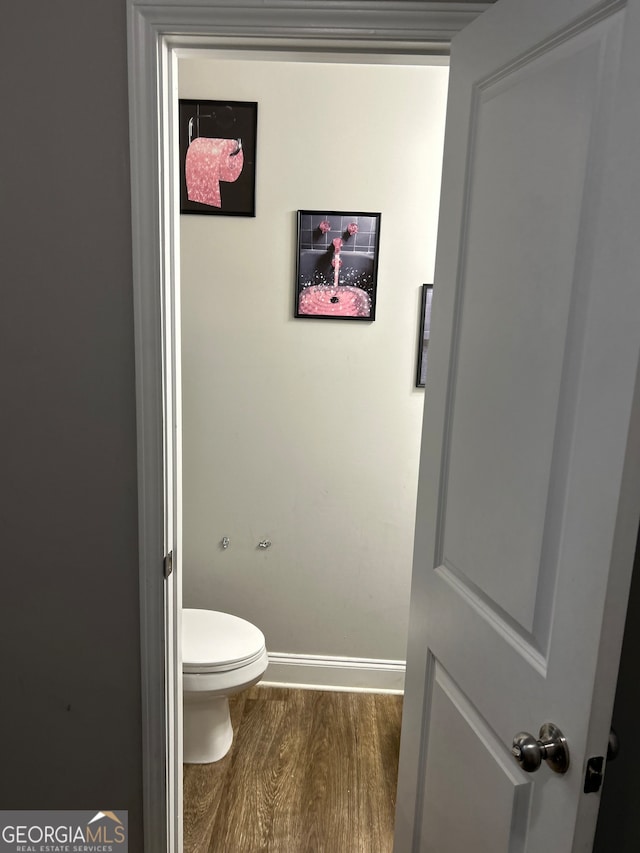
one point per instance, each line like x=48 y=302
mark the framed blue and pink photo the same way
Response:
x=337 y=265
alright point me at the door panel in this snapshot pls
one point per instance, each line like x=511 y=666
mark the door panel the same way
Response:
x=469 y=765
x=518 y=268
x=529 y=490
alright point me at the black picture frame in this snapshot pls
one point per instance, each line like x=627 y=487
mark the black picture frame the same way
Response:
x=323 y=292
x=424 y=333
x=218 y=177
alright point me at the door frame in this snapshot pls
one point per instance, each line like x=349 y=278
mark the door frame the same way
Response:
x=157 y=32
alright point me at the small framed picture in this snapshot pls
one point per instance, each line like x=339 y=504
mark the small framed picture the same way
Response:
x=337 y=265
x=218 y=157
x=424 y=334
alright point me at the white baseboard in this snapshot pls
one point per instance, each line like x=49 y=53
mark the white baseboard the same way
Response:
x=316 y=672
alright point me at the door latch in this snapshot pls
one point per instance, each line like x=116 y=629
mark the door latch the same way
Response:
x=595 y=766
x=593 y=777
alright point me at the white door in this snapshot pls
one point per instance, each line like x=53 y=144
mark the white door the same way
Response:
x=529 y=488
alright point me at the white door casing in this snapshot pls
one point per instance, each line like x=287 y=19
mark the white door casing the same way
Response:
x=158 y=30
x=529 y=489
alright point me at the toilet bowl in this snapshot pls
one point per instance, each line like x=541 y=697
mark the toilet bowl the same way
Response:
x=221 y=655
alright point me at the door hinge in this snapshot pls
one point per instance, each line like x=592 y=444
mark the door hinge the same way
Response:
x=168 y=564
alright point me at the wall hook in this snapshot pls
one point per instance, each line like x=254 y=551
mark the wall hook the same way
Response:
x=224 y=544
x=266 y=543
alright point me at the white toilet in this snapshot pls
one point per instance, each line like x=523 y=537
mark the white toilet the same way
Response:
x=221 y=655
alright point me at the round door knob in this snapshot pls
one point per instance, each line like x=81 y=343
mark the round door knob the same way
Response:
x=550 y=746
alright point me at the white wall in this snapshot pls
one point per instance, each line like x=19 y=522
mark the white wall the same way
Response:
x=306 y=432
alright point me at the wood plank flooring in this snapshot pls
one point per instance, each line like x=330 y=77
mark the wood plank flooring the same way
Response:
x=309 y=772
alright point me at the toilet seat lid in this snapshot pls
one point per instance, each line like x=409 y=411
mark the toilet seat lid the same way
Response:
x=217 y=642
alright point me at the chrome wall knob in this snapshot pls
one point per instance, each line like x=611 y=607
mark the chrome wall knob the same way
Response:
x=550 y=746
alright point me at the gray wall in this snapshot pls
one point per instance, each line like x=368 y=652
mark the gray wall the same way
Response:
x=70 y=720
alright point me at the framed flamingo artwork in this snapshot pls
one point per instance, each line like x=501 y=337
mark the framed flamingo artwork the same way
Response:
x=337 y=265
x=218 y=157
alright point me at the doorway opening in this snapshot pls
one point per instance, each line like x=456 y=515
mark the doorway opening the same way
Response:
x=306 y=434
x=158 y=36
